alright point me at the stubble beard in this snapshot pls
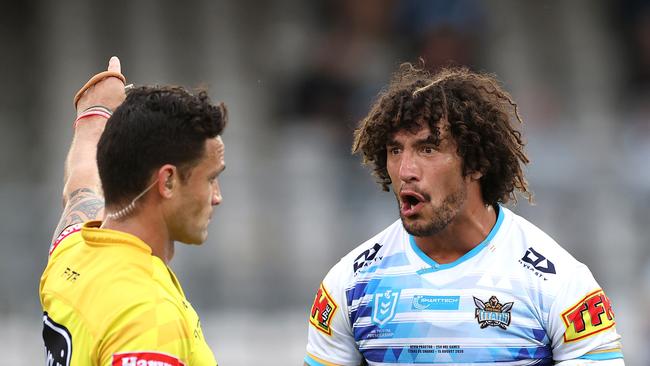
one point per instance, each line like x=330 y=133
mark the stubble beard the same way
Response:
x=442 y=216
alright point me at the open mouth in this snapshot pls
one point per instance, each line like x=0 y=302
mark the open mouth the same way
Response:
x=411 y=202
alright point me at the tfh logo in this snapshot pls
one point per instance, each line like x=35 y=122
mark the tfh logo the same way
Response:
x=589 y=316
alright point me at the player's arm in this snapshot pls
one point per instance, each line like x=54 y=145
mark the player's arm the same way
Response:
x=582 y=326
x=330 y=340
x=82 y=195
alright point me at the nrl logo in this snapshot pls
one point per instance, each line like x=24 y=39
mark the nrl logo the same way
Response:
x=385 y=304
x=492 y=313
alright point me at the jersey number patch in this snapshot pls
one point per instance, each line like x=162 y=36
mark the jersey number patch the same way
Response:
x=322 y=312
x=58 y=343
x=593 y=314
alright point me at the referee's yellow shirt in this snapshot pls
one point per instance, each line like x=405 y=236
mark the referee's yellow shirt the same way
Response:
x=108 y=301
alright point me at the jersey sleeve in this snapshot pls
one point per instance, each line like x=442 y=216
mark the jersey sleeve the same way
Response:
x=147 y=334
x=330 y=339
x=581 y=321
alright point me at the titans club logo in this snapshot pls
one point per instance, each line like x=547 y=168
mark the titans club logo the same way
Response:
x=491 y=313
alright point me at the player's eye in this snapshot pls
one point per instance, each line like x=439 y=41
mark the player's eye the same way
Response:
x=394 y=150
x=428 y=149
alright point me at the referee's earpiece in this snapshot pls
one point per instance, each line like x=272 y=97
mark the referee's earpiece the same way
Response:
x=168 y=183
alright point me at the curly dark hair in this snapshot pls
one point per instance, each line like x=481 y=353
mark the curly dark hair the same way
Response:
x=480 y=114
x=155 y=125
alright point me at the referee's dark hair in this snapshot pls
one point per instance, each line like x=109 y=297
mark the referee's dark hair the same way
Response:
x=481 y=117
x=154 y=126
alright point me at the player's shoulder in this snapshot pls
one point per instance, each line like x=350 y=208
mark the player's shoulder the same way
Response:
x=538 y=251
x=369 y=253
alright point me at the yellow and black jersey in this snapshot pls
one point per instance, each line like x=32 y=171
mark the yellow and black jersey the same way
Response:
x=108 y=301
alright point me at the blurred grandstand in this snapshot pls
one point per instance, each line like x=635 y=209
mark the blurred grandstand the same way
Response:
x=296 y=76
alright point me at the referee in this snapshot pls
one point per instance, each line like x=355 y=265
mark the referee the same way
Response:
x=141 y=173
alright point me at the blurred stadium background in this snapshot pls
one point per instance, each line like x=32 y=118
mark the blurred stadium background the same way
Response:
x=296 y=76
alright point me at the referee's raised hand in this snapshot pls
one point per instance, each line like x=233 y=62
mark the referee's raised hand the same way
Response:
x=104 y=89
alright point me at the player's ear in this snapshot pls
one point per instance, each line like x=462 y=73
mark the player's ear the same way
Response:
x=476 y=175
x=167 y=179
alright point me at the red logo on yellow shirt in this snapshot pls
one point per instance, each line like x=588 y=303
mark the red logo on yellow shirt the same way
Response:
x=145 y=359
x=593 y=314
x=322 y=311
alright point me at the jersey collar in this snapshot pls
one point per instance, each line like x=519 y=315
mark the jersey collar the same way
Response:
x=435 y=266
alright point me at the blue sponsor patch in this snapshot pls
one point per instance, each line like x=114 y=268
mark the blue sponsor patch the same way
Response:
x=429 y=302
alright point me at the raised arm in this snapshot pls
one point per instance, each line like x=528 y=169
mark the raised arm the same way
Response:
x=82 y=193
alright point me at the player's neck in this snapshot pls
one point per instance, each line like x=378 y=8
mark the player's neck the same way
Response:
x=148 y=225
x=472 y=225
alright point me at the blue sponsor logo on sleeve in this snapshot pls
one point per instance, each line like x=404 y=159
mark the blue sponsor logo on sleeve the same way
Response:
x=430 y=302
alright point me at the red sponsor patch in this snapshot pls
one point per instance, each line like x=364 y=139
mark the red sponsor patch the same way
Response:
x=64 y=234
x=322 y=311
x=591 y=315
x=145 y=359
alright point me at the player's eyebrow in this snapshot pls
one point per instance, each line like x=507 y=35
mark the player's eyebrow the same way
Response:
x=393 y=143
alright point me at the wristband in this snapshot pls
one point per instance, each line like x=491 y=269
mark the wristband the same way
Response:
x=100 y=108
x=94 y=80
x=98 y=111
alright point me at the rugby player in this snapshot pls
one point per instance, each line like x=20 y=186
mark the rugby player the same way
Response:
x=147 y=163
x=459 y=278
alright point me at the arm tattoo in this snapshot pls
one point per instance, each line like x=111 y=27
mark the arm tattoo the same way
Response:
x=83 y=205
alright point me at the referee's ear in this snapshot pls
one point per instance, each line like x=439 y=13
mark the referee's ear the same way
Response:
x=167 y=179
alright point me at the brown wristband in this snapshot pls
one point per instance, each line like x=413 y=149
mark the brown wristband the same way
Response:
x=94 y=80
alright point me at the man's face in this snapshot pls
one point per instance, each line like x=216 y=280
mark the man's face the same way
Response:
x=426 y=179
x=198 y=194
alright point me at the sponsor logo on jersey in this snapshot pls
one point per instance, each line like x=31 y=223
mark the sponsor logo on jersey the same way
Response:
x=537 y=263
x=367 y=258
x=491 y=313
x=591 y=315
x=385 y=304
x=428 y=302
x=64 y=234
x=322 y=311
x=145 y=359
x=58 y=343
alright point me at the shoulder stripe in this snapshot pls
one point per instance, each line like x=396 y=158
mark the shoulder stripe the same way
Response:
x=602 y=356
x=64 y=234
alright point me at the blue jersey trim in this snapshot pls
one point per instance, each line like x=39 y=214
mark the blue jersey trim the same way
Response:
x=438 y=267
x=602 y=356
x=311 y=362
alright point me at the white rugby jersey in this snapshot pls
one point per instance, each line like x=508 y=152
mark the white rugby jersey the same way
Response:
x=517 y=298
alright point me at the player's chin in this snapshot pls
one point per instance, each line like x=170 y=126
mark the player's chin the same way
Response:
x=416 y=226
x=411 y=220
x=197 y=238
